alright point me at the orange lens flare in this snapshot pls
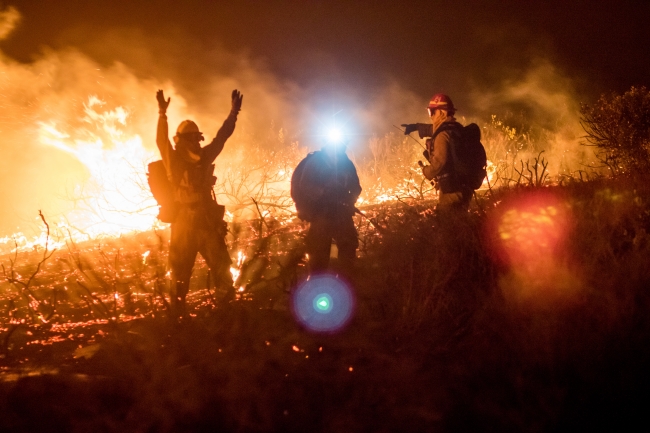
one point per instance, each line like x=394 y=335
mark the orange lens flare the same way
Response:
x=530 y=236
x=532 y=232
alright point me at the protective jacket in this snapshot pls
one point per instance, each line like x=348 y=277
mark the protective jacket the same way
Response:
x=191 y=174
x=329 y=186
x=441 y=161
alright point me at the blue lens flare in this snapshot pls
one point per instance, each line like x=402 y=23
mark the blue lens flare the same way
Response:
x=323 y=303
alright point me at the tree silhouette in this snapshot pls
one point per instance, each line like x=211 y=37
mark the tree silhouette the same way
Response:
x=619 y=125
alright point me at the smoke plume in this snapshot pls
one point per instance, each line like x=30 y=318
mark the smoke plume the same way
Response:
x=83 y=118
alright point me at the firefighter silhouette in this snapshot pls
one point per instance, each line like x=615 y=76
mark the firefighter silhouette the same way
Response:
x=325 y=187
x=197 y=224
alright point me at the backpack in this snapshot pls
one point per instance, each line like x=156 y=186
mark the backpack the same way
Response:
x=163 y=191
x=468 y=154
x=304 y=203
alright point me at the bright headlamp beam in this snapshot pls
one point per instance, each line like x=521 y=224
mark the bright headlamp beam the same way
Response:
x=334 y=135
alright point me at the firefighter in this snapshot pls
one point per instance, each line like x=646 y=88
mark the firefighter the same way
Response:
x=453 y=195
x=198 y=225
x=325 y=187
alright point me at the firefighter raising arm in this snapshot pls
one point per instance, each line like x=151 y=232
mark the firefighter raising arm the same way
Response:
x=212 y=150
x=162 y=133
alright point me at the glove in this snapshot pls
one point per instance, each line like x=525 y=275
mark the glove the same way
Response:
x=409 y=127
x=162 y=104
x=237 y=99
x=424 y=129
x=426 y=154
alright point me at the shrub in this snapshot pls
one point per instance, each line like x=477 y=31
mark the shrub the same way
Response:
x=619 y=125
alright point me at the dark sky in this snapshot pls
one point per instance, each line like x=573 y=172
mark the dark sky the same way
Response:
x=426 y=45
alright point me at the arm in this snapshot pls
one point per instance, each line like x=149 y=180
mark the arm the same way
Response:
x=212 y=150
x=162 y=133
x=438 y=159
x=423 y=129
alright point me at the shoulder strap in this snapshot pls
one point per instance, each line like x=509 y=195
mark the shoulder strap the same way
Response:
x=446 y=126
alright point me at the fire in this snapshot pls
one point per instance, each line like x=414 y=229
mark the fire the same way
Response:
x=236 y=270
x=105 y=136
x=491 y=175
x=116 y=197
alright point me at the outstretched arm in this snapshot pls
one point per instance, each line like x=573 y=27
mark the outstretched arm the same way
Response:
x=212 y=150
x=162 y=132
x=424 y=129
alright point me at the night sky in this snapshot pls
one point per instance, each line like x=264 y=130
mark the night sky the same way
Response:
x=427 y=46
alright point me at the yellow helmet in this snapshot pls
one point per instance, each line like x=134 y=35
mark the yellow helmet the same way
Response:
x=187 y=126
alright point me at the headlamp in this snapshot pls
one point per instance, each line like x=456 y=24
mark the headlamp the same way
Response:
x=334 y=136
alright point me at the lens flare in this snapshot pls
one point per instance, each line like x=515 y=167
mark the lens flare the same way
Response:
x=334 y=135
x=532 y=230
x=323 y=303
x=530 y=236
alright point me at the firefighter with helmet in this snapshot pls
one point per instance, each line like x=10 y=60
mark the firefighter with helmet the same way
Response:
x=443 y=132
x=198 y=225
x=325 y=187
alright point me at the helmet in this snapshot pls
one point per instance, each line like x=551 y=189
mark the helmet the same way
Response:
x=187 y=126
x=442 y=101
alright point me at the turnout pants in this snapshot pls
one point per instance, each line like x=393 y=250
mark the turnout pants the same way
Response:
x=319 y=240
x=198 y=229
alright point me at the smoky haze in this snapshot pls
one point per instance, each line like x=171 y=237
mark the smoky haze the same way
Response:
x=51 y=74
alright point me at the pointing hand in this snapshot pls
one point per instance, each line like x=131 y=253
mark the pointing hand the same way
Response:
x=409 y=127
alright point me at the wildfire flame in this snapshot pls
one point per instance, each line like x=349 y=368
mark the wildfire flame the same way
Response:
x=236 y=270
x=116 y=199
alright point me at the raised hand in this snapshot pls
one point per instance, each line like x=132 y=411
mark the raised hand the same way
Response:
x=162 y=103
x=237 y=99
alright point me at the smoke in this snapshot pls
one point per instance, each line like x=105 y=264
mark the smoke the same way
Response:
x=73 y=124
x=76 y=118
x=63 y=97
x=9 y=19
x=542 y=103
x=77 y=133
